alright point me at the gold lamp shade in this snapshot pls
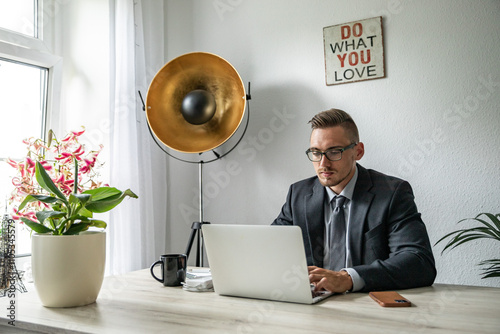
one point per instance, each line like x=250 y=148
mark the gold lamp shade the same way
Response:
x=197 y=71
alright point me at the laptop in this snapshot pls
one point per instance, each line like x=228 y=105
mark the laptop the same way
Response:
x=259 y=261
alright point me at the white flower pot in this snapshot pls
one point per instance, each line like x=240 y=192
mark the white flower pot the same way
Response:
x=68 y=270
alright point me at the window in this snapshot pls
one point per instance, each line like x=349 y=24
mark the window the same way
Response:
x=19 y=16
x=23 y=91
x=30 y=77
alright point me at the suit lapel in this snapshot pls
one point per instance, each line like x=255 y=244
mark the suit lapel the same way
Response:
x=361 y=201
x=315 y=222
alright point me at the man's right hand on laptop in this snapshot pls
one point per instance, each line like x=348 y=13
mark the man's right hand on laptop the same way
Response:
x=334 y=281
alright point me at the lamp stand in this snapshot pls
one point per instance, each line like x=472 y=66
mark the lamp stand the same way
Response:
x=196 y=232
x=196 y=226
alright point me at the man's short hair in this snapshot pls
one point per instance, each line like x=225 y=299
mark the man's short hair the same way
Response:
x=336 y=117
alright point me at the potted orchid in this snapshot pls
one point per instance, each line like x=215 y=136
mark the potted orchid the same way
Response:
x=61 y=196
x=58 y=193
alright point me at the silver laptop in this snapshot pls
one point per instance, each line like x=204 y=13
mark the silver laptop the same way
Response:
x=259 y=261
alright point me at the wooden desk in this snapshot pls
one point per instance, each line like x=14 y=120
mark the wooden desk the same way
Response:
x=136 y=303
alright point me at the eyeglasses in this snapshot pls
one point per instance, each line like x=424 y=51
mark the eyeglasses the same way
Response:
x=333 y=154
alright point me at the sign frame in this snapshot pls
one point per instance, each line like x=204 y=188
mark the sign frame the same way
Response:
x=354 y=51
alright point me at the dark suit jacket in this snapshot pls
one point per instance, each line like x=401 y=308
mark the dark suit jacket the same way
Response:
x=388 y=241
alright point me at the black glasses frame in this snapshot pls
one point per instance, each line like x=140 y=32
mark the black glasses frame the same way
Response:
x=336 y=150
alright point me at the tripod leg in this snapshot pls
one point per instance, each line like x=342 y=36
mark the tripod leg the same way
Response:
x=196 y=229
x=199 y=251
x=191 y=240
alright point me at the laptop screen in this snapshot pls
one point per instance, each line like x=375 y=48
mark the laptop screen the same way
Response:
x=258 y=261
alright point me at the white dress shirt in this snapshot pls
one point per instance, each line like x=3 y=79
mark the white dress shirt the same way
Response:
x=357 y=282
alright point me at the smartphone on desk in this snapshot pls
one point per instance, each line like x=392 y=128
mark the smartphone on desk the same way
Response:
x=389 y=299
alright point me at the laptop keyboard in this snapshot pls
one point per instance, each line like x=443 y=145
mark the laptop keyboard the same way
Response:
x=319 y=295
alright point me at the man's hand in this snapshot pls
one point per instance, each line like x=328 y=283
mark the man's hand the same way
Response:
x=334 y=281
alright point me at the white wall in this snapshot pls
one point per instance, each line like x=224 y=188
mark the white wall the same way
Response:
x=433 y=120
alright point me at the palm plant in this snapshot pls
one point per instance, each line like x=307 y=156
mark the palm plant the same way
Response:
x=488 y=230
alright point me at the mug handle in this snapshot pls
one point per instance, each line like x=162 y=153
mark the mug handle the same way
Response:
x=153 y=274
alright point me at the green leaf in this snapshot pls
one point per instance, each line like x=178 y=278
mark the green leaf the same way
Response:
x=46 y=182
x=494 y=219
x=98 y=223
x=457 y=242
x=42 y=215
x=488 y=230
x=37 y=227
x=108 y=203
x=494 y=274
x=37 y=198
x=85 y=213
x=102 y=193
x=53 y=225
x=79 y=198
x=493 y=269
x=77 y=217
x=62 y=225
x=58 y=206
x=76 y=228
x=465 y=235
x=493 y=262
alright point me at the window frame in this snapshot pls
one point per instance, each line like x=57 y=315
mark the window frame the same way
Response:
x=39 y=52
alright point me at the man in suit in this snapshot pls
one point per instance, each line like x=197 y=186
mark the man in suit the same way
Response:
x=375 y=239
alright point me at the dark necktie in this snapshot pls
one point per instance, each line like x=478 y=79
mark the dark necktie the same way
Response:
x=337 y=234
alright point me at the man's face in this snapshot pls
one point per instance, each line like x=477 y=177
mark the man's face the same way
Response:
x=335 y=174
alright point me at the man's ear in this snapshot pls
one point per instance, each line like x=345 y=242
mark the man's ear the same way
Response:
x=360 y=150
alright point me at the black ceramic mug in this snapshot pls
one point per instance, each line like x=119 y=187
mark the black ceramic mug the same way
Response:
x=173 y=269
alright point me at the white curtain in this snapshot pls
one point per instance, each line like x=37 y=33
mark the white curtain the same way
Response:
x=137 y=227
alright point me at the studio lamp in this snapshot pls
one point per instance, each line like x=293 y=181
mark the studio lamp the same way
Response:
x=194 y=104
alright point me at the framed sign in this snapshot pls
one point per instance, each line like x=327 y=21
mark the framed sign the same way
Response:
x=354 y=51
